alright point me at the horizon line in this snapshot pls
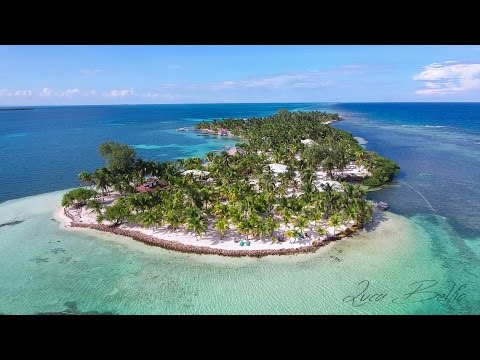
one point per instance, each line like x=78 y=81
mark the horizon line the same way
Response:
x=240 y=103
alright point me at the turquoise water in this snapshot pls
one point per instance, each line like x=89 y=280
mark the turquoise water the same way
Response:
x=46 y=269
x=431 y=235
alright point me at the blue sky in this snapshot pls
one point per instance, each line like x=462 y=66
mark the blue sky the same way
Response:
x=63 y=75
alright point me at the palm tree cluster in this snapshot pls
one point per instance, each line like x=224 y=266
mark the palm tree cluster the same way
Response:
x=280 y=136
x=242 y=194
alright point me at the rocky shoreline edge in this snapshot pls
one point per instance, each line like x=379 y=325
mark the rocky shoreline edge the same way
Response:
x=200 y=250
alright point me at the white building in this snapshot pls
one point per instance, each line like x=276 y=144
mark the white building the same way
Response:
x=196 y=173
x=278 y=168
x=308 y=142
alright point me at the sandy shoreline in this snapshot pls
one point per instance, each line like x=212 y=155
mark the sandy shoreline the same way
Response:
x=210 y=243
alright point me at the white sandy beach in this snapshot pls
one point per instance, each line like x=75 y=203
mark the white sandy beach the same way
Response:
x=210 y=239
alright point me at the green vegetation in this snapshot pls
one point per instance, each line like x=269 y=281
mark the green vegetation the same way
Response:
x=117 y=156
x=241 y=193
x=281 y=134
x=382 y=170
x=78 y=197
x=118 y=213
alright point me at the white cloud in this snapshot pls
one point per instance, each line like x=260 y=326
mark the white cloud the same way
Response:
x=175 y=67
x=46 y=92
x=310 y=80
x=448 y=77
x=307 y=80
x=162 y=96
x=169 y=86
x=87 y=72
x=72 y=92
x=152 y=94
x=21 y=93
x=119 y=93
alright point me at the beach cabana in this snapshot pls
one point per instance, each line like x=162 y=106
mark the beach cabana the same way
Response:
x=197 y=173
x=278 y=168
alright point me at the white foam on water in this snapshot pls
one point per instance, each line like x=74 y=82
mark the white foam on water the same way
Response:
x=361 y=141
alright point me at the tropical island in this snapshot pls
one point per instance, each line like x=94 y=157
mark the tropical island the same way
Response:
x=291 y=184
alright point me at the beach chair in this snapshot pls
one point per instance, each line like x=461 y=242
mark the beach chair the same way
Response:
x=241 y=242
x=248 y=243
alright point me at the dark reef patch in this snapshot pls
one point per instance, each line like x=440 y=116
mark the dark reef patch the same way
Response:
x=11 y=223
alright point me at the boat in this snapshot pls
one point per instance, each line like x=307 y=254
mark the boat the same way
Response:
x=183 y=129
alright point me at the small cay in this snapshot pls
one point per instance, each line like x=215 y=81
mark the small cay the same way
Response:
x=291 y=184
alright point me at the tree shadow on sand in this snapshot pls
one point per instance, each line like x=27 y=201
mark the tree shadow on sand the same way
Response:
x=377 y=218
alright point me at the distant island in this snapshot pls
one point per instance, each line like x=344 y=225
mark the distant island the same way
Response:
x=291 y=184
x=15 y=108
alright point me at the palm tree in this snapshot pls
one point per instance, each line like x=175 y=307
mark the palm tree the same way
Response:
x=292 y=234
x=101 y=179
x=328 y=165
x=335 y=220
x=286 y=215
x=85 y=178
x=329 y=198
x=301 y=223
x=365 y=212
x=150 y=219
x=95 y=205
x=220 y=209
x=359 y=157
x=245 y=227
x=351 y=212
x=174 y=218
x=206 y=195
x=197 y=224
x=222 y=226
x=321 y=230
x=316 y=215
x=257 y=229
x=235 y=213
x=138 y=202
x=270 y=225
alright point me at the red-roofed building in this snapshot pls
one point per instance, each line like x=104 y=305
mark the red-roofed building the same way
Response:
x=236 y=150
x=223 y=132
x=150 y=185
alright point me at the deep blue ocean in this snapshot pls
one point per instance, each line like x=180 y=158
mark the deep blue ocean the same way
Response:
x=437 y=146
